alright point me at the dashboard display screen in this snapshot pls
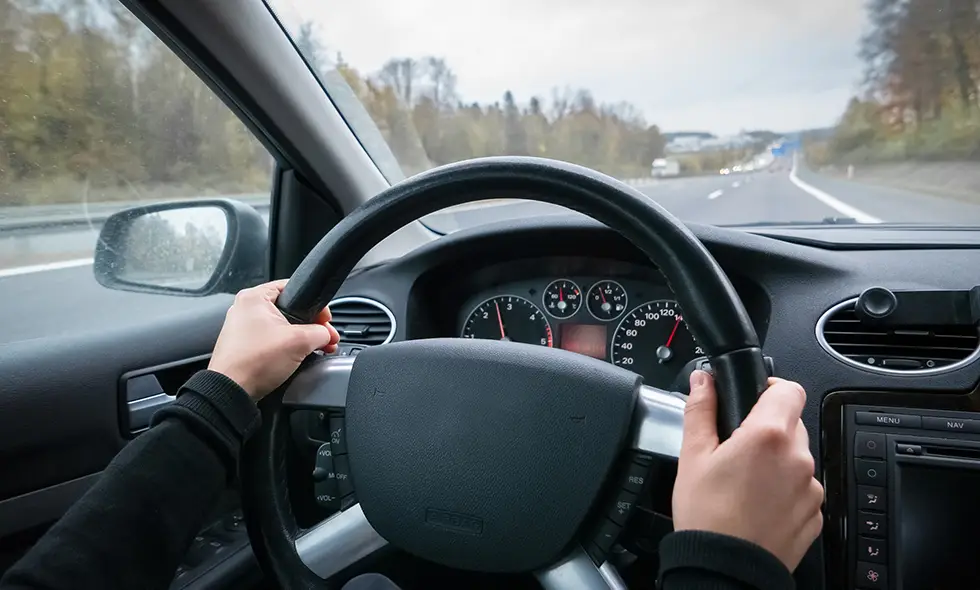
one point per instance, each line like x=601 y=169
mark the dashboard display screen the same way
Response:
x=939 y=519
x=587 y=339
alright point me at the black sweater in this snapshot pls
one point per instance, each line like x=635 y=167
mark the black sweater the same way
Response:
x=132 y=528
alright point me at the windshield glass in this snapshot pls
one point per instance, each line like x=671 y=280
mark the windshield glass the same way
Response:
x=726 y=112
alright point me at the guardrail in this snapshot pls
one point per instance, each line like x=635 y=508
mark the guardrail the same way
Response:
x=40 y=218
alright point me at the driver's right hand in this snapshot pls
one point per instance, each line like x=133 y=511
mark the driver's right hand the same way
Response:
x=758 y=485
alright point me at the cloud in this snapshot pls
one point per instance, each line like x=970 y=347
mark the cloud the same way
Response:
x=721 y=65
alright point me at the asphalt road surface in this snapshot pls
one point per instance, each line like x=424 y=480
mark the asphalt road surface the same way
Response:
x=50 y=300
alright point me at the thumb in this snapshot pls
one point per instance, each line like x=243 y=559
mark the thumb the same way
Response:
x=700 y=416
x=314 y=337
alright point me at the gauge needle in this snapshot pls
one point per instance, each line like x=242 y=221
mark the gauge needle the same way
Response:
x=500 y=321
x=670 y=339
x=603 y=295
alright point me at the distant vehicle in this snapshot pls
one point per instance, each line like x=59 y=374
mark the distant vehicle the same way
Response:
x=663 y=167
x=724 y=172
x=737 y=168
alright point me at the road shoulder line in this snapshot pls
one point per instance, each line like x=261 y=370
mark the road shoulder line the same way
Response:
x=35 y=268
x=832 y=202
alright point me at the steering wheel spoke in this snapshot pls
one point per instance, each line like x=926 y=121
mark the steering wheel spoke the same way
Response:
x=658 y=422
x=577 y=571
x=338 y=542
x=321 y=385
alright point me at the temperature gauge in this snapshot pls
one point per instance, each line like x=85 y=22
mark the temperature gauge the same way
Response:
x=607 y=300
x=562 y=298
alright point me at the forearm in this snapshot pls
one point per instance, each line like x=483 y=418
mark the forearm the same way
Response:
x=133 y=527
x=698 y=560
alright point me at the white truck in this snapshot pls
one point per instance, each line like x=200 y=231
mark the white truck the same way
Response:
x=663 y=167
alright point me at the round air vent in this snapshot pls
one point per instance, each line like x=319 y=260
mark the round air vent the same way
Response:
x=911 y=350
x=362 y=321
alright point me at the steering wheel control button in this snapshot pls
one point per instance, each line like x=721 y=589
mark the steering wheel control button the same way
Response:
x=869 y=444
x=342 y=475
x=338 y=434
x=872 y=550
x=872 y=525
x=870 y=472
x=622 y=507
x=606 y=535
x=893 y=420
x=636 y=477
x=872 y=498
x=324 y=478
x=871 y=575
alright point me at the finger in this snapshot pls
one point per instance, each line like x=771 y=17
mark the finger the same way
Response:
x=271 y=291
x=700 y=416
x=324 y=316
x=314 y=336
x=781 y=404
x=334 y=338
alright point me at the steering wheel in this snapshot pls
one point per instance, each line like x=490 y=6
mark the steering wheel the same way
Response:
x=483 y=455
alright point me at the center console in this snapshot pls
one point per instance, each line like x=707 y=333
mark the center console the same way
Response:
x=903 y=491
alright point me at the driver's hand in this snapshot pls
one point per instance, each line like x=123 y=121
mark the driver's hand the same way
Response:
x=258 y=348
x=758 y=485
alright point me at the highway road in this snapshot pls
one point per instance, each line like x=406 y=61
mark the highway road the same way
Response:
x=61 y=296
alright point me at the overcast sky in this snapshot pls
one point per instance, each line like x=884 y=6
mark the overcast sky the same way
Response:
x=716 y=65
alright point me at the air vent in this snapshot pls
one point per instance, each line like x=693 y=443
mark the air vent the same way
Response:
x=362 y=321
x=917 y=350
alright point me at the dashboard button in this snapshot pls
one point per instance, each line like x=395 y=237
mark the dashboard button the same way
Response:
x=907 y=449
x=871 y=575
x=870 y=472
x=869 y=444
x=894 y=420
x=622 y=507
x=872 y=498
x=872 y=550
x=872 y=525
x=950 y=424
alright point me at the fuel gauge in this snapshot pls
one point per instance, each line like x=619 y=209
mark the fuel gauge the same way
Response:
x=607 y=300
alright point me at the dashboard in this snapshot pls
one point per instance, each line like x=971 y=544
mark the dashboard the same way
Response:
x=911 y=390
x=630 y=321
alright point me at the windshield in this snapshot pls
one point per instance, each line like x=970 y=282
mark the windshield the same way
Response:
x=725 y=112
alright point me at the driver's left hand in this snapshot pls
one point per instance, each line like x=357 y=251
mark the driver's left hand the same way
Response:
x=259 y=349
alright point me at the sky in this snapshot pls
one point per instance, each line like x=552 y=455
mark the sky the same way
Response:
x=716 y=65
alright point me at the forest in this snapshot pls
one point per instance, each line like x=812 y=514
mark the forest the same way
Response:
x=94 y=108
x=920 y=98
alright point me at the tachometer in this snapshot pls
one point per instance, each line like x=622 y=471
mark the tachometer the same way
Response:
x=653 y=340
x=511 y=318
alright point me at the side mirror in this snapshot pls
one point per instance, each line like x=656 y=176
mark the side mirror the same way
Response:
x=191 y=248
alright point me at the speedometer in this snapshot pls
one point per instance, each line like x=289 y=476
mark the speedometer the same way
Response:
x=653 y=340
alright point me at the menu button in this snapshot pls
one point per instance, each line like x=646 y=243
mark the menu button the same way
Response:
x=893 y=420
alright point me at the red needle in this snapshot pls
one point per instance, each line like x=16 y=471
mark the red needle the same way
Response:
x=677 y=322
x=500 y=321
x=561 y=294
x=603 y=295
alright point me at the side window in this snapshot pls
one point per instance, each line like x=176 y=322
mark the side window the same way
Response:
x=98 y=115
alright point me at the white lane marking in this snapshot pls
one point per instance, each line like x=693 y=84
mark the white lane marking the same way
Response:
x=832 y=202
x=714 y=195
x=26 y=270
x=736 y=184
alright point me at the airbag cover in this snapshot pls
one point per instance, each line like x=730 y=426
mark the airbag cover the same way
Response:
x=483 y=455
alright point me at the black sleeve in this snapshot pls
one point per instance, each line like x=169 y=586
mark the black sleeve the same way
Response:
x=131 y=529
x=699 y=560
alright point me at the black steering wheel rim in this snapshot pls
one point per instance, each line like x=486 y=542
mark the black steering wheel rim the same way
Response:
x=722 y=325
